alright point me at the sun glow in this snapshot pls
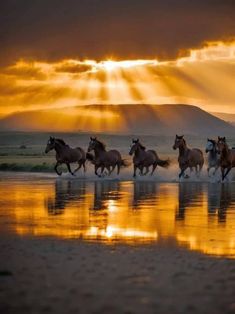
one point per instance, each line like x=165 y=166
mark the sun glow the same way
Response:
x=204 y=77
x=111 y=65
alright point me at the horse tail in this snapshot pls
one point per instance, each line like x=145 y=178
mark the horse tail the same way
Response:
x=124 y=163
x=163 y=163
x=160 y=162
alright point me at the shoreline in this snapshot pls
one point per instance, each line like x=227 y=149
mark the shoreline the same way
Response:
x=89 y=177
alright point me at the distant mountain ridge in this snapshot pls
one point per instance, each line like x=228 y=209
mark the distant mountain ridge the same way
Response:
x=130 y=119
x=227 y=117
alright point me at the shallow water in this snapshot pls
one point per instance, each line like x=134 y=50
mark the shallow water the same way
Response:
x=196 y=215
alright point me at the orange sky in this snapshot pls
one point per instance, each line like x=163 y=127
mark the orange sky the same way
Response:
x=204 y=77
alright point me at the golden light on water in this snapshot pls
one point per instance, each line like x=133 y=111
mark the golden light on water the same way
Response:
x=204 y=77
x=194 y=215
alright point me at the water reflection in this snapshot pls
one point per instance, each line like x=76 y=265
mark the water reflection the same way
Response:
x=144 y=191
x=189 y=196
x=199 y=216
x=105 y=193
x=66 y=192
x=221 y=198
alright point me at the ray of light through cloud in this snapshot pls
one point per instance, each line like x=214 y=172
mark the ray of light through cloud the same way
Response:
x=204 y=77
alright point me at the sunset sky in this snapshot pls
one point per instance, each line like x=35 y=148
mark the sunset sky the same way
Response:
x=56 y=53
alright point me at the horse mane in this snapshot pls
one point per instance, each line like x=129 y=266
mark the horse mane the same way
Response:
x=61 y=141
x=101 y=144
x=184 y=142
x=212 y=141
x=142 y=146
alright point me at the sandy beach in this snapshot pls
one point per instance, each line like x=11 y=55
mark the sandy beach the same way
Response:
x=49 y=275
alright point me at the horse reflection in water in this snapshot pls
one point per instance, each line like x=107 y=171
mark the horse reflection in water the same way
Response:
x=190 y=195
x=104 y=192
x=144 y=191
x=220 y=199
x=66 y=192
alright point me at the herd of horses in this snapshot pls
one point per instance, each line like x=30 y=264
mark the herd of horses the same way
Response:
x=220 y=155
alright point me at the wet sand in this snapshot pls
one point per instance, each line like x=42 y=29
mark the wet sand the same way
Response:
x=51 y=275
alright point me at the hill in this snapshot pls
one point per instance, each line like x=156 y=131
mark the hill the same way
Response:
x=228 y=117
x=130 y=119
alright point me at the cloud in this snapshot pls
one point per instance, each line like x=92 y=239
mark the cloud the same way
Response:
x=126 y=29
x=204 y=78
x=73 y=67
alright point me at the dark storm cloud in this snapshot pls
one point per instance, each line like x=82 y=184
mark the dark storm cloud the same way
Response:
x=56 y=29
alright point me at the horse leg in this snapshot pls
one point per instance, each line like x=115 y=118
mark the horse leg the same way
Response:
x=141 y=170
x=102 y=170
x=109 y=170
x=154 y=167
x=200 y=169
x=222 y=172
x=227 y=172
x=208 y=172
x=79 y=166
x=146 y=171
x=56 y=170
x=84 y=166
x=216 y=168
x=112 y=169
x=118 y=168
x=182 y=172
x=197 y=170
x=69 y=169
x=191 y=170
x=96 y=168
x=134 y=174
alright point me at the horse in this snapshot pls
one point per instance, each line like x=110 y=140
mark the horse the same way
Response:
x=213 y=156
x=188 y=158
x=144 y=159
x=227 y=157
x=105 y=159
x=66 y=155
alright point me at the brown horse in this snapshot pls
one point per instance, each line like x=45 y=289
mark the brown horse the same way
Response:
x=105 y=159
x=66 y=155
x=144 y=159
x=227 y=157
x=188 y=158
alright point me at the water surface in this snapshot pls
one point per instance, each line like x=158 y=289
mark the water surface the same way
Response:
x=199 y=216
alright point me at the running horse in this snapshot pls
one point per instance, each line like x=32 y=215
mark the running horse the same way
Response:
x=227 y=157
x=66 y=155
x=144 y=159
x=188 y=158
x=105 y=159
x=213 y=156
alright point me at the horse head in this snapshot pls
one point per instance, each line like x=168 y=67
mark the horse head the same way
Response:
x=211 y=145
x=179 y=141
x=92 y=144
x=135 y=145
x=50 y=144
x=221 y=144
x=95 y=144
